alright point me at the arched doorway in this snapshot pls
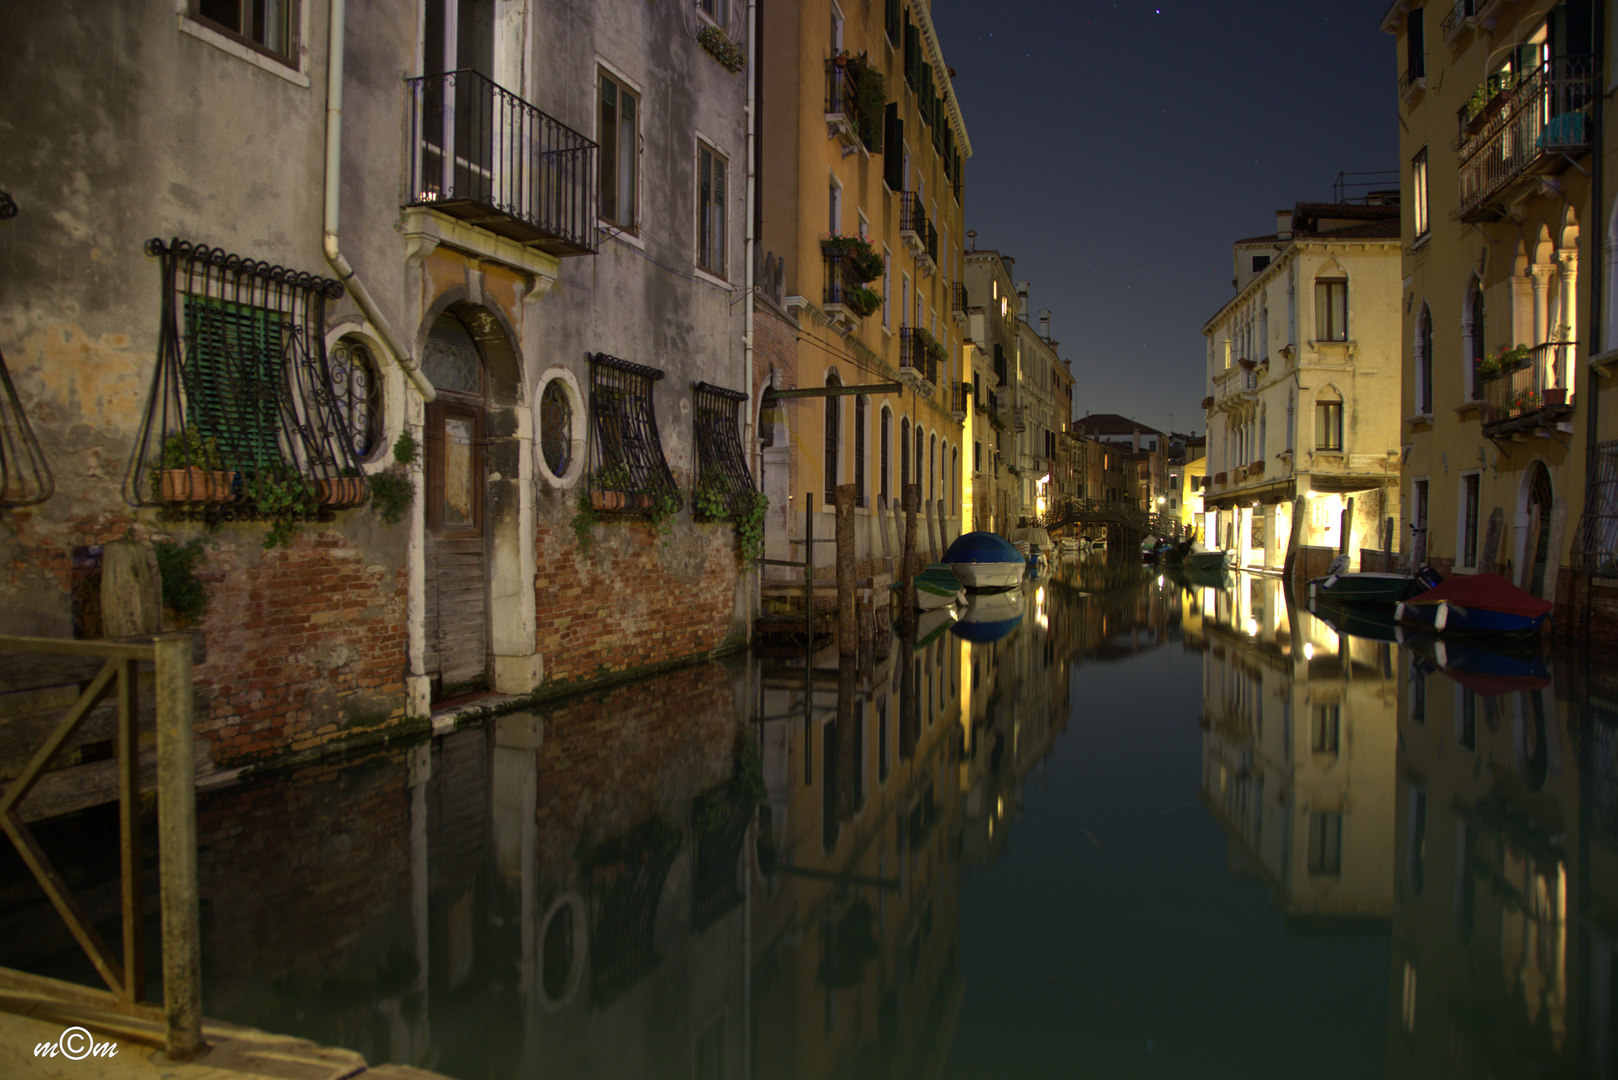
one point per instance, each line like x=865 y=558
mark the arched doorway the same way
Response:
x=456 y=640
x=1539 y=495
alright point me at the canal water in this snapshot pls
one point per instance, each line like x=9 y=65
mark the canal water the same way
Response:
x=1115 y=824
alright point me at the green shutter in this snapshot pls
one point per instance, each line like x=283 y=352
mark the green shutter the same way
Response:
x=233 y=378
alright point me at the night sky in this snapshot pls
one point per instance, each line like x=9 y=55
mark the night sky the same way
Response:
x=1119 y=149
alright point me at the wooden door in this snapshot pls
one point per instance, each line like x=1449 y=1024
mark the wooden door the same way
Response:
x=457 y=597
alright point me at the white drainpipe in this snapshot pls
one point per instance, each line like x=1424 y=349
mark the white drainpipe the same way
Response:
x=751 y=277
x=334 y=254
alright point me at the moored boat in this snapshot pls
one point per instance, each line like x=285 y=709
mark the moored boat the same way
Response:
x=936 y=587
x=1369 y=587
x=1475 y=604
x=1206 y=561
x=985 y=560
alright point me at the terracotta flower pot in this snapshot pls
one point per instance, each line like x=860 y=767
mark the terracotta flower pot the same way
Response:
x=192 y=484
x=345 y=490
x=1556 y=396
x=607 y=500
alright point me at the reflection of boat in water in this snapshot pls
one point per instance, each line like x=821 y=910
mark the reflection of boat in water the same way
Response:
x=1501 y=666
x=988 y=617
x=1220 y=578
x=985 y=560
x=930 y=624
x=1370 y=622
x=1475 y=604
x=1206 y=561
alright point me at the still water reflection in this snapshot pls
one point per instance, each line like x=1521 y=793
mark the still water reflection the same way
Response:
x=1117 y=824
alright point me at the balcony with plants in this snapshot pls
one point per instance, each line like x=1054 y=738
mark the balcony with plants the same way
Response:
x=1525 y=389
x=478 y=152
x=1518 y=126
x=856 y=96
x=916 y=231
x=851 y=264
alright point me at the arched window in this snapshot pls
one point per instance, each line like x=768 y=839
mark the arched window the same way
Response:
x=921 y=445
x=1476 y=338
x=887 y=439
x=932 y=466
x=1424 y=360
x=1290 y=425
x=904 y=458
x=860 y=408
x=1263 y=433
x=832 y=406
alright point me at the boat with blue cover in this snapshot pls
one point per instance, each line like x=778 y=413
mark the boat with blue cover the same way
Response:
x=988 y=617
x=985 y=560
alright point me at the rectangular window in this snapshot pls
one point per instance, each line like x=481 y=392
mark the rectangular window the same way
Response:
x=235 y=359
x=887 y=259
x=1327 y=728
x=618 y=131
x=1418 y=192
x=1328 y=425
x=835 y=207
x=887 y=436
x=1469 y=519
x=860 y=408
x=1325 y=844
x=711 y=210
x=1260 y=262
x=977 y=456
x=1331 y=309
x=1415 y=45
x=265 y=25
x=893 y=24
x=715 y=9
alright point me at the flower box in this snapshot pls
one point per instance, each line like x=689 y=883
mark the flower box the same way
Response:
x=344 y=490
x=607 y=500
x=192 y=484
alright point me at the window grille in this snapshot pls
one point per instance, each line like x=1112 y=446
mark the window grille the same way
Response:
x=720 y=820
x=625 y=879
x=245 y=416
x=626 y=453
x=25 y=476
x=1598 y=532
x=720 y=457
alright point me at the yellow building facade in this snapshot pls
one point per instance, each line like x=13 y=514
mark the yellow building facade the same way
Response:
x=862 y=154
x=1495 y=139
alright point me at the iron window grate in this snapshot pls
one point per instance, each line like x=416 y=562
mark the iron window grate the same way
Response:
x=626 y=453
x=1598 y=531
x=721 y=460
x=244 y=419
x=25 y=475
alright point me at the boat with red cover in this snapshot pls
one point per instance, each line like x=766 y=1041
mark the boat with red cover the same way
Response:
x=1475 y=604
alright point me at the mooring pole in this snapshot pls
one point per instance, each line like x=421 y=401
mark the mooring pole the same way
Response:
x=907 y=567
x=848 y=635
x=177 y=848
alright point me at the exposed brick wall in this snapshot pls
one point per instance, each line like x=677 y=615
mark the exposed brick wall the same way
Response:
x=634 y=599
x=305 y=644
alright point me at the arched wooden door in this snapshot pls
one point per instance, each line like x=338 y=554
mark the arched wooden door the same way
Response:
x=457 y=582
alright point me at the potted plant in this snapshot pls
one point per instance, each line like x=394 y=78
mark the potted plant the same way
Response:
x=861 y=300
x=721 y=48
x=284 y=497
x=612 y=488
x=348 y=488
x=188 y=468
x=858 y=255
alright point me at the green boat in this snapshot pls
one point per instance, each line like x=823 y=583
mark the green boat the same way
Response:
x=936 y=587
x=1369 y=587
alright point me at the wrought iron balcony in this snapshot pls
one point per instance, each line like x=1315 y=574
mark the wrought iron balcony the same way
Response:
x=842 y=120
x=1533 y=395
x=1414 y=78
x=1460 y=17
x=1540 y=127
x=913 y=224
x=913 y=357
x=959 y=396
x=480 y=153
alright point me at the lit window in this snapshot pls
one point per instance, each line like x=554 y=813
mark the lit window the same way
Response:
x=1331 y=309
x=1418 y=190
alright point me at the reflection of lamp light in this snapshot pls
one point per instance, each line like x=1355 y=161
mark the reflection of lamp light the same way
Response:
x=1252 y=628
x=1308 y=650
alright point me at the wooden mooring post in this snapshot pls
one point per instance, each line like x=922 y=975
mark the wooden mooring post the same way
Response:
x=908 y=560
x=177 y=848
x=848 y=634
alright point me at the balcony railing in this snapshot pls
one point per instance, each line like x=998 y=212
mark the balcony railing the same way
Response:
x=1534 y=394
x=1458 y=19
x=932 y=242
x=480 y=153
x=1412 y=79
x=839 y=90
x=958 y=298
x=913 y=358
x=1542 y=121
x=959 y=395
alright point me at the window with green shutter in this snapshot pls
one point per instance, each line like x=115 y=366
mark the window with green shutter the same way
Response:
x=234 y=355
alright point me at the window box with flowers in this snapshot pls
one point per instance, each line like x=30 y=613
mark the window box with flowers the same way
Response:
x=727 y=52
x=858 y=257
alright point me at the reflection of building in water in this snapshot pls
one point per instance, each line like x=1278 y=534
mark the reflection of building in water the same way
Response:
x=1298 y=751
x=854 y=922
x=1487 y=918
x=1120 y=609
x=1011 y=723
x=520 y=898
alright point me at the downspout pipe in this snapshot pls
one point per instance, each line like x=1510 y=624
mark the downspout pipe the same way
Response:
x=749 y=236
x=1597 y=233
x=334 y=252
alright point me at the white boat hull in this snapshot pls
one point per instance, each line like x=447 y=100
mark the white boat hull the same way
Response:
x=989 y=575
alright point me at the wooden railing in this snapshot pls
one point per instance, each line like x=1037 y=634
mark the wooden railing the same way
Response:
x=170 y=657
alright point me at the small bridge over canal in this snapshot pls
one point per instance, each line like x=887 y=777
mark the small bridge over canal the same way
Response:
x=1132 y=523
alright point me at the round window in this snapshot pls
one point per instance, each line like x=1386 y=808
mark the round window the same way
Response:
x=556 y=427
x=356 y=389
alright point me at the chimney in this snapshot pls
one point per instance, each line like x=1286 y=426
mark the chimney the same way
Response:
x=1022 y=300
x=1283 y=224
x=972 y=236
x=1137 y=438
x=1045 y=323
